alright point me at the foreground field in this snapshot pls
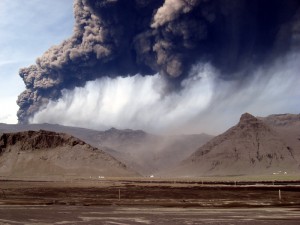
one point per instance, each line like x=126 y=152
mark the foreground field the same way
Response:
x=113 y=215
x=148 y=201
x=151 y=193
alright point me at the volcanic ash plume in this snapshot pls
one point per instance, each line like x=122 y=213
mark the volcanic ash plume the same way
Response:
x=118 y=38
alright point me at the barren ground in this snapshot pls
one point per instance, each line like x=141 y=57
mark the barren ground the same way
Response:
x=148 y=202
x=113 y=215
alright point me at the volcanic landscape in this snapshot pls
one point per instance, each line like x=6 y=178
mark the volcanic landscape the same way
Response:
x=258 y=166
x=150 y=112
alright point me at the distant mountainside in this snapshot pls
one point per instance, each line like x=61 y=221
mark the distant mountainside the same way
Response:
x=251 y=147
x=50 y=154
x=140 y=151
x=288 y=127
x=282 y=120
x=150 y=153
x=262 y=145
x=86 y=135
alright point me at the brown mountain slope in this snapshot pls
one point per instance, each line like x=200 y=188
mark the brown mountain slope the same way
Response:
x=149 y=153
x=288 y=127
x=251 y=147
x=140 y=151
x=49 y=154
x=286 y=120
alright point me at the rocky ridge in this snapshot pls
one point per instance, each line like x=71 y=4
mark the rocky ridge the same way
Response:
x=282 y=120
x=139 y=150
x=33 y=140
x=251 y=147
x=44 y=153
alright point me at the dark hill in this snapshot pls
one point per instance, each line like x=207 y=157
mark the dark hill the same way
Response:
x=49 y=154
x=139 y=150
x=250 y=148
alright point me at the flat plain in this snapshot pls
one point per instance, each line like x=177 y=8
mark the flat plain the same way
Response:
x=149 y=201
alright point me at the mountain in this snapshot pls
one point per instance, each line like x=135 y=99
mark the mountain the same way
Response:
x=282 y=120
x=149 y=153
x=262 y=145
x=50 y=154
x=139 y=150
x=288 y=127
x=87 y=135
x=251 y=147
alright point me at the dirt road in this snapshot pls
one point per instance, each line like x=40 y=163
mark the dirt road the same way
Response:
x=33 y=215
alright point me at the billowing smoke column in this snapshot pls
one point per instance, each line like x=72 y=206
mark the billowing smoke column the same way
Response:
x=127 y=37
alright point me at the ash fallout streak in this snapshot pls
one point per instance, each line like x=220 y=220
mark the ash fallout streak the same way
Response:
x=120 y=38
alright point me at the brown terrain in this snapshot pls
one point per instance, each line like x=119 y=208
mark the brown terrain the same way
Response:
x=288 y=127
x=49 y=177
x=140 y=151
x=145 y=192
x=44 y=154
x=255 y=146
x=252 y=147
x=148 y=153
x=148 y=201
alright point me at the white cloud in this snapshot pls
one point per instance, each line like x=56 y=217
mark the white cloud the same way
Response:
x=133 y=102
x=8 y=110
x=203 y=105
x=272 y=89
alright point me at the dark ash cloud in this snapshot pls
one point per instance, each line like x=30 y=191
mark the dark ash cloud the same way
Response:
x=127 y=37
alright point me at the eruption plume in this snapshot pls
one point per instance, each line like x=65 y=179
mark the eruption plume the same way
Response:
x=120 y=38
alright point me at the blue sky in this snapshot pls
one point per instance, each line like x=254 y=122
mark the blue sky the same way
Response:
x=28 y=28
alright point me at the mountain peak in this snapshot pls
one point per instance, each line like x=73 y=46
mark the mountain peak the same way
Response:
x=31 y=140
x=250 y=147
x=250 y=122
x=46 y=153
x=247 y=117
